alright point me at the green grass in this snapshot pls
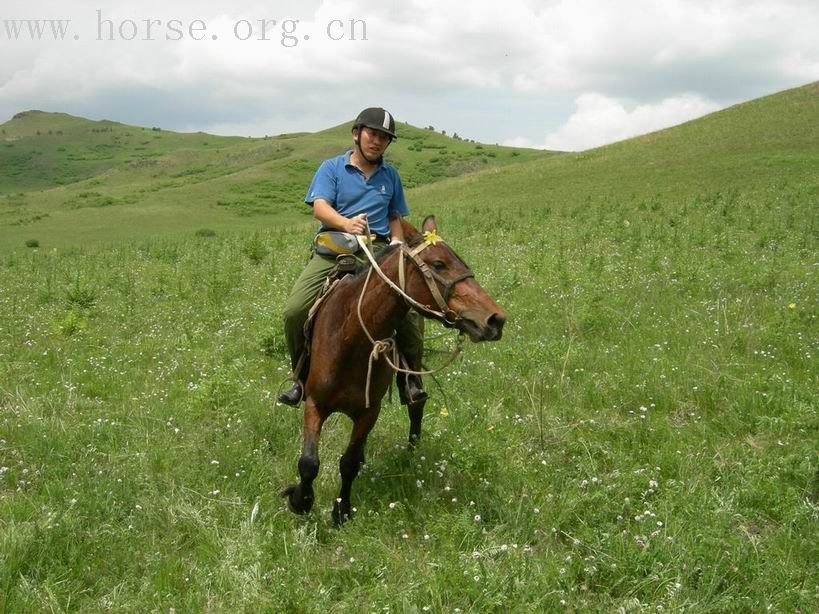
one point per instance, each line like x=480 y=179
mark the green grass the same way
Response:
x=643 y=439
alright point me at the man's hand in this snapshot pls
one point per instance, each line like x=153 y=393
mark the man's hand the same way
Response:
x=323 y=211
x=357 y=225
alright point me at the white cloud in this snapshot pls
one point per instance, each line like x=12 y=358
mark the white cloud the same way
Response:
x=598 y=120
x=419 y=57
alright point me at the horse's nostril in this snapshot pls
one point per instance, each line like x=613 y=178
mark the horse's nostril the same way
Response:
x=496 y=321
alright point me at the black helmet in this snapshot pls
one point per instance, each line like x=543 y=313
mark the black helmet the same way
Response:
x=377 y=119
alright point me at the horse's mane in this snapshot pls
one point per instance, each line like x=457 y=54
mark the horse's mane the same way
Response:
x=363 y=267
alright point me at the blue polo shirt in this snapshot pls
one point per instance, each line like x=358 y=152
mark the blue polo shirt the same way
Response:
x=344 y=186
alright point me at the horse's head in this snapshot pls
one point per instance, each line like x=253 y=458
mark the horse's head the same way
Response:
x=438 y=278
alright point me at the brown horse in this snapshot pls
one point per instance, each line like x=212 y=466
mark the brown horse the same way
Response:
x=340 y=348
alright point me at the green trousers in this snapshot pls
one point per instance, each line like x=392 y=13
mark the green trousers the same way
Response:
x=410 y=333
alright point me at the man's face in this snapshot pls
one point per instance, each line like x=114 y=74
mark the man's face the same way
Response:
x=373 y=142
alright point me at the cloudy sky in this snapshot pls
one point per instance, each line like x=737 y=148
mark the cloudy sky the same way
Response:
x=566 y=75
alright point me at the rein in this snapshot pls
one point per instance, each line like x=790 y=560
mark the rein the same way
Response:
x=446 y=315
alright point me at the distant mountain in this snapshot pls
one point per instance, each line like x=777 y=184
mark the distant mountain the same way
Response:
x=45 y=150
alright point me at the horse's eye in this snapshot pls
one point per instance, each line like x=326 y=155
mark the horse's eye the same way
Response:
x=439 y=265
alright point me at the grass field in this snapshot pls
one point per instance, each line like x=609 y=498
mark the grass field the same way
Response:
x=643 y=439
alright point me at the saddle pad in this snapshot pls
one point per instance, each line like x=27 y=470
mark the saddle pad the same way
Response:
x=334 y=243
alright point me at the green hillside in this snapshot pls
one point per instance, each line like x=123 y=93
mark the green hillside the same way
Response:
x=70 y=181
x=749 y=146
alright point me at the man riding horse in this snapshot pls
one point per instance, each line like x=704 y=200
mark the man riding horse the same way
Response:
x=350 y=193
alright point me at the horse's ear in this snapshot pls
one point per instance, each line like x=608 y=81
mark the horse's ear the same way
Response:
x=409 y=230
x=429 y=224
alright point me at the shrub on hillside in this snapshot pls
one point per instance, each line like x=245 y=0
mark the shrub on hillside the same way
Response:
x=81 y=295
x=255 y=249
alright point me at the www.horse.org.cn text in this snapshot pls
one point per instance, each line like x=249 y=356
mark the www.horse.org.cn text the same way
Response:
x=286 y=32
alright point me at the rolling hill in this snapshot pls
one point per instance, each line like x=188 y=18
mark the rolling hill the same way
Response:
x=69 y=181
x=749 y=146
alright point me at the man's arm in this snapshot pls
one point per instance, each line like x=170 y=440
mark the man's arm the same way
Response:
x=396 y=230
x=323 y=211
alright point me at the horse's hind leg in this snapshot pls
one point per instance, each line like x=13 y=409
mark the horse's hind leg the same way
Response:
x=300 y=496
x=351 y=461
x=416 y=414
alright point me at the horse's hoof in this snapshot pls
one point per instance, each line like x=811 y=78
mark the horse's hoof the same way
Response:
x=296 y=500
x=412 y=444
x=341 y=512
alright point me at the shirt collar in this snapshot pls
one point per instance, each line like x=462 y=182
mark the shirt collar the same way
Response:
x=348 y=161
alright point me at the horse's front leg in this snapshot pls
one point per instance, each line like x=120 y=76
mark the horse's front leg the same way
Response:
x=351 y=461
x=300 y=496
x=416 y=415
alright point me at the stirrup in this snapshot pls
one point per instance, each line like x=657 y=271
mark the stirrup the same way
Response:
x=345 y=265
x=410 y=389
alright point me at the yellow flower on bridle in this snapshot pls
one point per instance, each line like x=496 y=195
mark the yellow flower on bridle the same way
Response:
x=432 y=237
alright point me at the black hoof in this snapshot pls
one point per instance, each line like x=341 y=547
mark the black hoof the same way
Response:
x=298 y=501
x=413 y=442
x=341 y=512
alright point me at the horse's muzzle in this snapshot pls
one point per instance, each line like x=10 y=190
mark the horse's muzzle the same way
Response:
x=483 y=329
x=494 y=327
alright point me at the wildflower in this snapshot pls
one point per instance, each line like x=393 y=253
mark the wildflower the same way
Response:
x=432 y=237
x=392 y=505
x=792 y=306
x=477 y=518
x=444 y=412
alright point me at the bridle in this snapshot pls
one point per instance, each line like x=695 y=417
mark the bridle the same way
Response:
x=432 y=279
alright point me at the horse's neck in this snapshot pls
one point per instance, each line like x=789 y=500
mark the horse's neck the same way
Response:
x=382 y=308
